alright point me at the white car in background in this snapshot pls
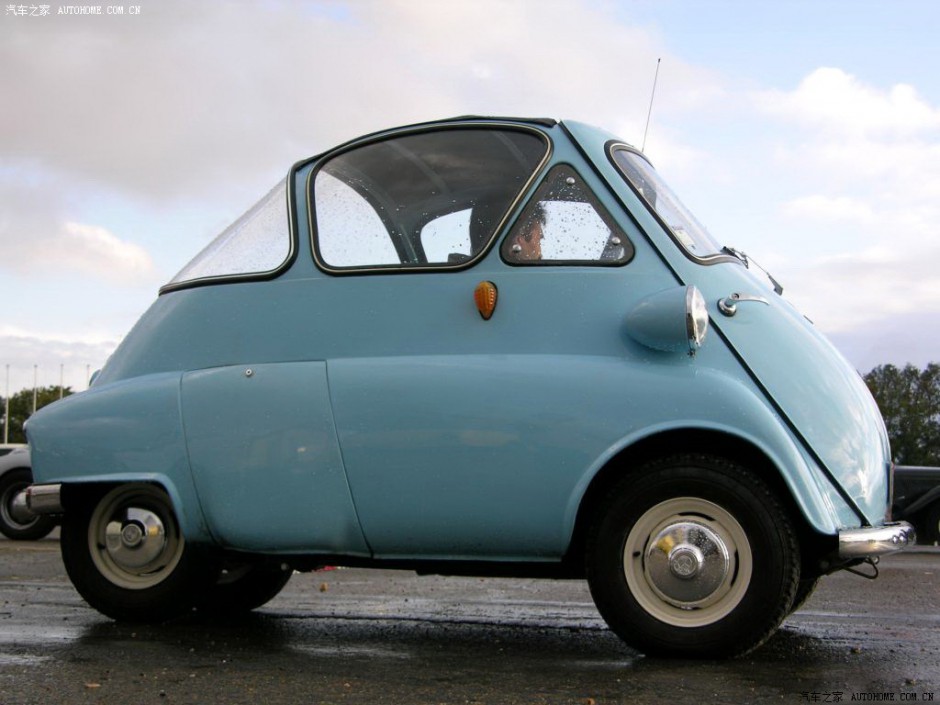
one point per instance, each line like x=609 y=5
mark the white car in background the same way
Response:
x=17 y=522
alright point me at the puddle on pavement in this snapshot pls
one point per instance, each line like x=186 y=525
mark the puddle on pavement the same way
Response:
x=22 y=659
x=603 y=665
x=352 y=651
x=20 y=635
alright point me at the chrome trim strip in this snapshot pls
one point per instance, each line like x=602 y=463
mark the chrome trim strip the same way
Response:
x=876 y=540
x=44 y=499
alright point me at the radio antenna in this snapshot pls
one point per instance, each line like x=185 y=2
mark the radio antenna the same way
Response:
x=650 y=111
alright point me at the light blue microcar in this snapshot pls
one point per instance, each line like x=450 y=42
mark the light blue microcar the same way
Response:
x=477 y=346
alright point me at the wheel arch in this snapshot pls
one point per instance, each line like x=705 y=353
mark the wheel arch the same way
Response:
x=79 y=491
x=118 y=433
x=814 y=540
x=14 y=468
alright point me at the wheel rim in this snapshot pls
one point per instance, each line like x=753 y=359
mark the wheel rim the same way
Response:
x=133 y=537
x=687 y=562
x=11 y=515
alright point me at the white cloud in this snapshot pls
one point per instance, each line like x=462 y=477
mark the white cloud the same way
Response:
x=197 y=95
x=828 y=208
x=96 y=251
x=860 y=167
x=36 y=235
x=29 y=357
x=209 y=103
x=836 y=101
x=852 y=290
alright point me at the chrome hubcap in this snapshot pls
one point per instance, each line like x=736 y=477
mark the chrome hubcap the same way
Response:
x=133 y=537
x=686 y=563
x=136 y=539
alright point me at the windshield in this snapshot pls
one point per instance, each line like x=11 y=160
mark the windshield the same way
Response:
x=683 y=226
x=257 y=243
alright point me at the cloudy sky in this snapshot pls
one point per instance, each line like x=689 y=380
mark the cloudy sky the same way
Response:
x=805 y=133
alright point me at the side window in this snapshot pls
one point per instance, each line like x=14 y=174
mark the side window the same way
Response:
x=420 y=200
x=256 y=244
x=447 y=238
x=565 y=223
x=341 y=210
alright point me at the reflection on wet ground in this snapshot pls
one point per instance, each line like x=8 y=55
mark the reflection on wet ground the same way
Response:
x=387 y=637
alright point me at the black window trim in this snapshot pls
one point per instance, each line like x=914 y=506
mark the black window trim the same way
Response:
x=423 y=128
x=615 y=146
x=564 y=262
x=253 y=276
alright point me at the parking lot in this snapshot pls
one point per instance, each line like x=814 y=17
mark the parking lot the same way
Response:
x=351 y=636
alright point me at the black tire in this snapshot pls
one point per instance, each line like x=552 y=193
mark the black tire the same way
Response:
x=245 y=587
x=125 y=554
x=692 y=556
x=13 y=524
x=804 y=590
x=931 y=523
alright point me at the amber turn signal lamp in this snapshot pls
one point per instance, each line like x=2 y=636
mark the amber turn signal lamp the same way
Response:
x=485 y=296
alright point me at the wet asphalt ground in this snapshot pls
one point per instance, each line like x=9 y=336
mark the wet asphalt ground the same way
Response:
x=364 y=636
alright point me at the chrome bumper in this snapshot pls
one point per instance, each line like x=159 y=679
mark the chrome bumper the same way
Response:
x=19 y=510
x=876 y=540
x=44 y=499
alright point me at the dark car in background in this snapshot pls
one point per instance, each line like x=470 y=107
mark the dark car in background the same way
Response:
x=917 y=500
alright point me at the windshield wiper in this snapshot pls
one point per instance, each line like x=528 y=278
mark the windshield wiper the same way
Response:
x=778 y=289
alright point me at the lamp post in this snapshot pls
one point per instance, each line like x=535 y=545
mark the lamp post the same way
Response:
x=6 y=410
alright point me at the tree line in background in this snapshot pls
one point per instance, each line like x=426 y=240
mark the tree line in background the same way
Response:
x=21 y=408
x=909 y=399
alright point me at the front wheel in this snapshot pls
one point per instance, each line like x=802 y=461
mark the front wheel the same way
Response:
x=693 y=556
x=127 y=557
x=804 y=590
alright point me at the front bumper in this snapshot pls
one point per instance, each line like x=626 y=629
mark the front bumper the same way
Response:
x=44 y=499
x=874 y=541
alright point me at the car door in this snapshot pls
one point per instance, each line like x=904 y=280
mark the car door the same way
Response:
x=462 y=436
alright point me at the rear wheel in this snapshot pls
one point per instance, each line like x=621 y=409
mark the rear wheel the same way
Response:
x=693 y=556
x=126 y=556
x=245 y=587
x=16 y=522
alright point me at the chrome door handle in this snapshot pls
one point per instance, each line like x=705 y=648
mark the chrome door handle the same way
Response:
x=729 y=304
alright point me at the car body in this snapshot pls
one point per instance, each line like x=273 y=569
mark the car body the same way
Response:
x=17 y=522
x=917 y=500
x=486 y=346
x=10 y=447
